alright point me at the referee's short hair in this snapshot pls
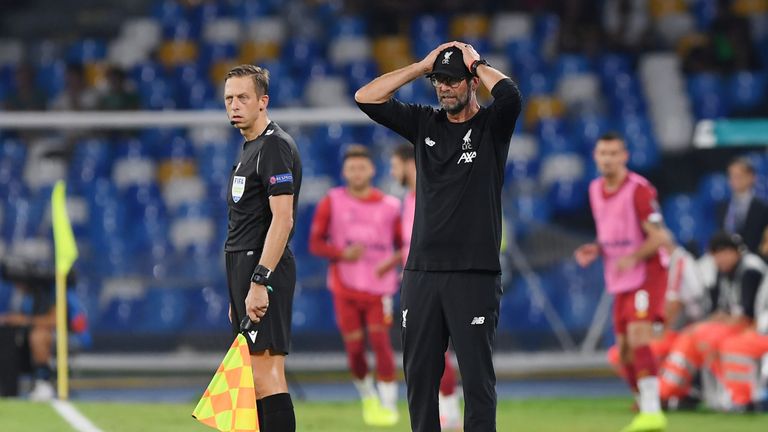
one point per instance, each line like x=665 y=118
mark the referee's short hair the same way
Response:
x=357 y=150
x=404 y=152
x=260 y=76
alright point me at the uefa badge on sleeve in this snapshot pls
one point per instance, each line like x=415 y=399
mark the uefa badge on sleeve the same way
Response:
x=238 y=188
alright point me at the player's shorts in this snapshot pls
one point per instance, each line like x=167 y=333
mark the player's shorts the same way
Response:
x=644 y=304
x=353 y=314
x=274 y=330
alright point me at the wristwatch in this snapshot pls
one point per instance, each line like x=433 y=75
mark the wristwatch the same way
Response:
x=475 y=64
x=261 y=275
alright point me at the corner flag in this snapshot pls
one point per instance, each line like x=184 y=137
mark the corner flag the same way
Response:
x=63 y=238
x=229 y=402
x=66 y=254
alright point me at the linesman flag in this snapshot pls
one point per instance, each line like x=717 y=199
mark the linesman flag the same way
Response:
x=63 y=238
x=229 y=402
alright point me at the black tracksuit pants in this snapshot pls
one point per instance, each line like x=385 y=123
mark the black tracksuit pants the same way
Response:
x=462 y=306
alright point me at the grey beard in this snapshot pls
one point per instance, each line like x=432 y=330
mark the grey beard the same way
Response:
x=460 y=105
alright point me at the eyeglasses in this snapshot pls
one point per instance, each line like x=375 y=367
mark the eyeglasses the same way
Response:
x=447 y=81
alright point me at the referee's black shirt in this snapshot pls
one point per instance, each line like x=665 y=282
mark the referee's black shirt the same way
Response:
x=460 y=174
x=267 y=166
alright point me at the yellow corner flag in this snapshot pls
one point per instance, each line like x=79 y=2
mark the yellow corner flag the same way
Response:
x=66 y=254
x=229 y=402
x=63 y=238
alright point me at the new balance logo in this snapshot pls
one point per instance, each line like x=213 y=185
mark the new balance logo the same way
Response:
x=467 y=157
x=478 y=321
x=428 y=141
x=252 y=335
x=405 y=314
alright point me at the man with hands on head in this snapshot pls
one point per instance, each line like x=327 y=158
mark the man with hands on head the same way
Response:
x=451 y=283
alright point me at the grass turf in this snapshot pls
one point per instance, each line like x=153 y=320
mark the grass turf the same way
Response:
x=540 y=415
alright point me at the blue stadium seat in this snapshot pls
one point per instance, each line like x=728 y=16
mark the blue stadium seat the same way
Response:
x=298 y=52
x=525 y=55
x=168 y=11
x=348 y=25
x=200 y=95
x=546 y=26
x=157 y=95
x=704 y=84
x=747 y=89
x=537 y=84
x=209 y=306
x=181 y=29
x=312 y=311
x=704 y=11
x=248 y=9
x=147 y=72
x=429 y=26
x=178 y=147
x=571 y=64
x=121 y=315
x=134 y=148
x=713 y=189
x=529 y=210
x=285 y=92
x=568 y=195
x=518 y=312
x=359 y=73
x=50 y=77
x=612 y=64
x=553 y=137
x=687 y=219
x=212 y=53
x=164 y=310
x=586 y=129
x=87 y=51
x=204 y=12
x=187 y=74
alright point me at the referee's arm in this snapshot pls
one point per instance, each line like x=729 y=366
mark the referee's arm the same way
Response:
x=279 y=230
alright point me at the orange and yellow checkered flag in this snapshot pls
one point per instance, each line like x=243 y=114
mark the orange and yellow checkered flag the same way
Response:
x=229 y=402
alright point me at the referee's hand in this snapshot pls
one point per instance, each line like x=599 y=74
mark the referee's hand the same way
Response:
x=257 y=302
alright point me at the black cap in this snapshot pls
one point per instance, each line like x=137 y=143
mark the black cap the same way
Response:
x=450 y=62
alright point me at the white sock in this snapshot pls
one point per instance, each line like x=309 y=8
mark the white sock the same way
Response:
x=388 y=394
x=449 y=406
x=649 y=394
x=365 y=387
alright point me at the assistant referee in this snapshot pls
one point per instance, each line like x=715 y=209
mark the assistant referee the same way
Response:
x=451 y=284
x=262 y=197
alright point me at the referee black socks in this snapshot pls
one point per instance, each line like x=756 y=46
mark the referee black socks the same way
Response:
x=277 y=413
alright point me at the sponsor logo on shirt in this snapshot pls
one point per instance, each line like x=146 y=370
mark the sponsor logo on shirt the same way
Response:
x=281 y=178
x=467 y=157
x=447 y=57
x=428 y=141
x=269 y=132
x=252 y=335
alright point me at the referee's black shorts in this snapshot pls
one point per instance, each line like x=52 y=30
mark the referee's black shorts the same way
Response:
x=274 y=330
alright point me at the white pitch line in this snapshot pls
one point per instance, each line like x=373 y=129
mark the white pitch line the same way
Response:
x=75 y=419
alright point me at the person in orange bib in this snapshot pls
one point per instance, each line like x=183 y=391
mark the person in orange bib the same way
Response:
x=732 y=298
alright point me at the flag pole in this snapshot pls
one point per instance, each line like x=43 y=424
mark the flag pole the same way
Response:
x=62 y=345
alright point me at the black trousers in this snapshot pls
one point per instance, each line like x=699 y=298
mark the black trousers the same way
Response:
x=462 y=306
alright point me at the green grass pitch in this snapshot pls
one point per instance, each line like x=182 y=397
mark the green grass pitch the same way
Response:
x=540 y=415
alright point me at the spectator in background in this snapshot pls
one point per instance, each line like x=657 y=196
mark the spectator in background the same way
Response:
x=26 y=96
x=764 y=245
x=76 y=95
x=626 y=24
x=744 y=214
x=119 y=93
